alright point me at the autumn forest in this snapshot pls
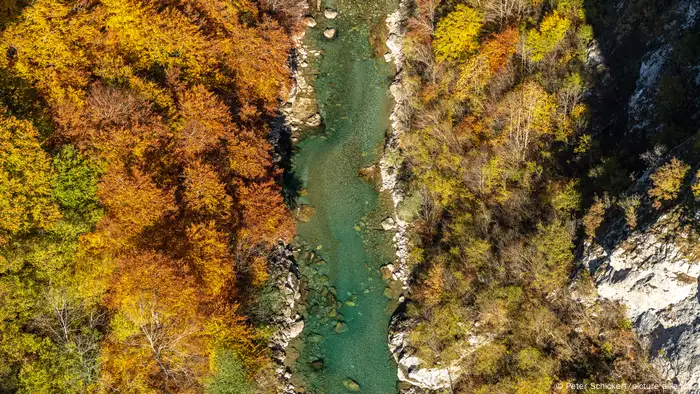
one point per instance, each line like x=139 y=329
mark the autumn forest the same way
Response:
x=138 y=199
x=142 y=196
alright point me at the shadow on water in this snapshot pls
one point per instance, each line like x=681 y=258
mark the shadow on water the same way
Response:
x=281 y=140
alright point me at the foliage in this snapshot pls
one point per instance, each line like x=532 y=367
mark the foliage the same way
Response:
x=550 y=34
x=696 y=186
x=595 y=215
x=25 y=188
x=231 y=378
x=497 y=122
x=667 y=181
x=629 y=205
x=143 y=211
x=456 y=35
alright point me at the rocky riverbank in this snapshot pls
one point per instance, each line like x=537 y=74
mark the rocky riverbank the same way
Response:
x=391 y=162
x=288 y=323
x=415 y=376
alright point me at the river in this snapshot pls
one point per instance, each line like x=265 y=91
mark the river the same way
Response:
x=347 y=312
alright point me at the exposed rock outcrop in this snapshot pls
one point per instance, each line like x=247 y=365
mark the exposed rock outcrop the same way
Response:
x=412 y=369
x=390 y=169
x=649 y=272
x=653 y=269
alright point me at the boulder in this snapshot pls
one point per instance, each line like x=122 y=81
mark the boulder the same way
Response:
x=309 y=21
x=296 y=328
x=330 y=32
x=388 y=224
x=351 y=385
x=330 y=13
x=304 y=108
x=340 y=327
x=304 y=213
x=317 y=365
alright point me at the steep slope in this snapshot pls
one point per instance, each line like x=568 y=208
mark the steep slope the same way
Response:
x=643 y=253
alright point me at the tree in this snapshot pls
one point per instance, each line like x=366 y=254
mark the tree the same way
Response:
x=552 y=32
x=75 y=181
x=133 y=202
x=209 y=254
x=667 y=181
x=205 y=122
x=204 y=194
x=527 y=116
x=26 y=200
x=155 y=341
x=231 y=377
x=457 y=34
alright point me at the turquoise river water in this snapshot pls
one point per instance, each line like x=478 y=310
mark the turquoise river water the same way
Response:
x=347 y=312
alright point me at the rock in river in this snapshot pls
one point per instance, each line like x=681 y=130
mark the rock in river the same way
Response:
x=330 y=13
x=351 y=385
x=330 y=32
x=309 y=21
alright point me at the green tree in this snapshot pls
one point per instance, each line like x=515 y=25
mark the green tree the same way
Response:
x=230 y=377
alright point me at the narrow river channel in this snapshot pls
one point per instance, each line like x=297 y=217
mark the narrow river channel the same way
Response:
x=344 y=343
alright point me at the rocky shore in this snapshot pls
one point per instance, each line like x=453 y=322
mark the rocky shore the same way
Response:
x=390 y=163
x=288 y=323
x=414 y=375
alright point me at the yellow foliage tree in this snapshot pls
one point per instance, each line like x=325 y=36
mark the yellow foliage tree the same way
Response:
x=527 y=113
x=26 y=201
x=667 y=181
x=457 y=34
x=551 y=33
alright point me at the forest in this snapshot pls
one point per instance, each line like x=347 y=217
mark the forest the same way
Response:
x=141 y=197
x=138 y=197
x=512 y=174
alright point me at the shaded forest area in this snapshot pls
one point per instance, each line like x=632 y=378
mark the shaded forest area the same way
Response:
x=138 y=198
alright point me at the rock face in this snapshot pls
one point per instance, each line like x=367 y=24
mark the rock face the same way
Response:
x=648 y=271
x=651 y=269
x=642 y=107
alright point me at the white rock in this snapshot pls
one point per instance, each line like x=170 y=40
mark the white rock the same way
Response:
x=314 y=120
x=388 y=224
x=309 y=21
x=330 y=32
x=296 y=328
x=411 y=368
x=330 y=13
x=659 y=284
